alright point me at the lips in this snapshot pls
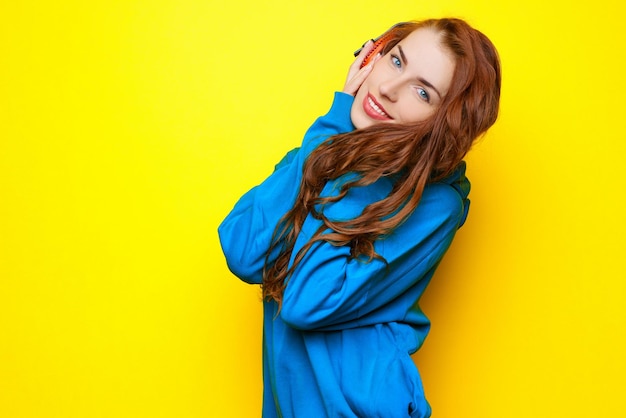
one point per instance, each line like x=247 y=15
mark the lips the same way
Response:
x=373 y=109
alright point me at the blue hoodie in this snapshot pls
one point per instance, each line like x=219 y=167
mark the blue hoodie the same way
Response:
x=341 y=345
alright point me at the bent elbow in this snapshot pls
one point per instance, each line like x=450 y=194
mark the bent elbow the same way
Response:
x=238 y=261
x=304 y=316
x=244 y=272
x=298 y=318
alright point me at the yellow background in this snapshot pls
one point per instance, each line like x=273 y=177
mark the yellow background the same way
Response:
x=128 y=129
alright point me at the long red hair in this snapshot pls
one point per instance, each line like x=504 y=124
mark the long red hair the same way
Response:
x=413 y=154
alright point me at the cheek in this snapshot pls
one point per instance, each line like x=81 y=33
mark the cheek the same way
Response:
x=356 y=115
x=416 y=112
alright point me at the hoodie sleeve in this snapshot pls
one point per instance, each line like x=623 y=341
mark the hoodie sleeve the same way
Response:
x=329 y=290
x=246 y=232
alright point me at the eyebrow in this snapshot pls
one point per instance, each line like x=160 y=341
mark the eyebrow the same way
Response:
x=420 y=79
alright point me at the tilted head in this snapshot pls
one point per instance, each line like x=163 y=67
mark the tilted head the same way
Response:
x=439 y=71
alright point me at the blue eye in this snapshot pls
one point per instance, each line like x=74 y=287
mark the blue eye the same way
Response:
x=396 y=61
x=423 y=94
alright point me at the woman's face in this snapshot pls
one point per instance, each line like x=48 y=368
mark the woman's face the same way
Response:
x=407 y=84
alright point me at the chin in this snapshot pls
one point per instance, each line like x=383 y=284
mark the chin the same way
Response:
x=359 y=120
x=360 y=124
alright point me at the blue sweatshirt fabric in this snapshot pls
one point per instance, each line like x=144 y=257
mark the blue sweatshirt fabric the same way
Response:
x=341 y=344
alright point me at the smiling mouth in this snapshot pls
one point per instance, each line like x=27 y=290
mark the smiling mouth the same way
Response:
x=374 y=110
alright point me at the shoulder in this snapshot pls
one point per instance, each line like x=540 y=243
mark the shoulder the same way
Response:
x=440 y=208
x=442 y=196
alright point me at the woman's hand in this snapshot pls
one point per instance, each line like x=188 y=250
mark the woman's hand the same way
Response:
x=356 y=74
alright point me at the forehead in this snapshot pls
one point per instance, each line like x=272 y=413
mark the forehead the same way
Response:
x=424 y=40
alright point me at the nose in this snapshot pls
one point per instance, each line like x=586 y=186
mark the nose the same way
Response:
x=390 y=88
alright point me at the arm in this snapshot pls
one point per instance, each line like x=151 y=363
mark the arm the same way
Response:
x=287 y=159
x=246 y=233
x=329 y=290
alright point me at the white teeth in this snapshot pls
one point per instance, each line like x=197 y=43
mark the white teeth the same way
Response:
x=376 y=108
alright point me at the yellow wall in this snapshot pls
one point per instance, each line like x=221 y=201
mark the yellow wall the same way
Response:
x=128 y=129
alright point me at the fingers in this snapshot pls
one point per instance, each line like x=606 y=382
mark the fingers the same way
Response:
x=362 y=53
x=358 y=51
x=357 y=75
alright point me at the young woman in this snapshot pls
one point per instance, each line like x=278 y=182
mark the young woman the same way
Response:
x=346 y=233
